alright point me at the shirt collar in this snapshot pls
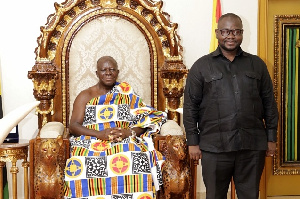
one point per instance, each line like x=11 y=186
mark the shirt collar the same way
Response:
x=218 y=52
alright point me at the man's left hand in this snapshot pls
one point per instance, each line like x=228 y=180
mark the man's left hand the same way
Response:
x=271 y=149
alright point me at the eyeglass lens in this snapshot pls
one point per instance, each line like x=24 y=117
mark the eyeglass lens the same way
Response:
x=235 y=32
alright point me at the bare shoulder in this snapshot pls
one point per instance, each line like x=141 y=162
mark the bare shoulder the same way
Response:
x=86 y=95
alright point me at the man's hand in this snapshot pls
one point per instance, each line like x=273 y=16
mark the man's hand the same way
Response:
x=195 y=152
x=114 y=134
x=271 y=149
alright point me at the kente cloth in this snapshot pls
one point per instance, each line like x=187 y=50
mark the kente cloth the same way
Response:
x=130 y=169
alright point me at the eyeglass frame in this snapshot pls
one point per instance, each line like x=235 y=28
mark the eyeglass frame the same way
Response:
x=230 y=31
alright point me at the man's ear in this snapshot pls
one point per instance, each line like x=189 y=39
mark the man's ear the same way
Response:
x=216 y=31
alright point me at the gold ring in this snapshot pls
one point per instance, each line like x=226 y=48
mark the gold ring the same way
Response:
x=119 y=139
x=110 y=137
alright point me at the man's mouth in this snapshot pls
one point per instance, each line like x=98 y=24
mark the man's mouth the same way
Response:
x=109 y=79
x=230 y=42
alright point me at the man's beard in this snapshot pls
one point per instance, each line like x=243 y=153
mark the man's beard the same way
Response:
x=229 y=49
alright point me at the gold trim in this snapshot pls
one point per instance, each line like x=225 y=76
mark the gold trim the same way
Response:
x=13 y=154
x=45 y=113
x=106 y=6
x=297 y=44
x=43 y=85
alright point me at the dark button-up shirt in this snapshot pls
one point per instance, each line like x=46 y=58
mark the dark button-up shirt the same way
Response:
x=229 y=106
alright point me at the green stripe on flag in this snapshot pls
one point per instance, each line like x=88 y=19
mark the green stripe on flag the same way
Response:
x=5 y=183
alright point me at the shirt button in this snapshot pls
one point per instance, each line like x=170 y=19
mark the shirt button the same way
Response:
x=234 y=76
x=236 y=92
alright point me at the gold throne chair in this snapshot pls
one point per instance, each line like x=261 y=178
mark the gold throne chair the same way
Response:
x=137 y=33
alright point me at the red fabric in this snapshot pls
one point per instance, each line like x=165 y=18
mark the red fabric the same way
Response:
x=218 y=11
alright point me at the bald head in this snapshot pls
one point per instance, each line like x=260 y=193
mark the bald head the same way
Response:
x=106 y=59
x=230 y=16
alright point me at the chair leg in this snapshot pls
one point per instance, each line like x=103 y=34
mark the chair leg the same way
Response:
x=194 y=165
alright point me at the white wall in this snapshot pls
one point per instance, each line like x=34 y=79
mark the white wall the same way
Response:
x=20 y=26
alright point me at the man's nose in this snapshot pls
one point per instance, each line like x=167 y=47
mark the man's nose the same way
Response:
x=230 y=34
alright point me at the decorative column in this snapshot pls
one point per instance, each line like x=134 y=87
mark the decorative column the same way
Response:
x=173 y=74
x=25 y=165
x=44 y=75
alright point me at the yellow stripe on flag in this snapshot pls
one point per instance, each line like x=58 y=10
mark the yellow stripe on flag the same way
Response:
x=217 y=12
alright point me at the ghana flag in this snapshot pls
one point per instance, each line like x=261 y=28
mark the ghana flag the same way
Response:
x=217 y=12
x=5 y=183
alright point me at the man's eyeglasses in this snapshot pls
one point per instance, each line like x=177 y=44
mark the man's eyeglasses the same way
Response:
x=235 y=32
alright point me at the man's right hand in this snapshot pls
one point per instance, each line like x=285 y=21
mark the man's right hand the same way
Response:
x=195 y=152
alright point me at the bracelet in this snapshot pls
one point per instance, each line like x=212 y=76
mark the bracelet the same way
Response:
x=133 y=133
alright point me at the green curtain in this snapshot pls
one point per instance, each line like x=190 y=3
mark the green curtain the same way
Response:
x=291 y=82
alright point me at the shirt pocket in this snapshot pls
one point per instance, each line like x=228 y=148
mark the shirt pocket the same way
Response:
x=209 y=108
x=252 y=82
x=213 y=84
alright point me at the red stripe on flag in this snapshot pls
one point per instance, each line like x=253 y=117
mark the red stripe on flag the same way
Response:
x=218 y=11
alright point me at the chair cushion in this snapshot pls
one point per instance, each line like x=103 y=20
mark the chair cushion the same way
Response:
x=52 y=130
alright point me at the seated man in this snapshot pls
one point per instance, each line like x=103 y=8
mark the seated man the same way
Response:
x=112 y=153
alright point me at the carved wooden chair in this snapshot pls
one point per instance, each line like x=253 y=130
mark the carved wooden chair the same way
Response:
x=137 y=33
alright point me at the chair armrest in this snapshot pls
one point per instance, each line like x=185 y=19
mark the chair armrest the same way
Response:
x=53 y=130
x=46 y=171
x=171 y=128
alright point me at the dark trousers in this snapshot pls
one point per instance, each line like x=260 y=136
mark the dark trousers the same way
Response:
x=245 y=166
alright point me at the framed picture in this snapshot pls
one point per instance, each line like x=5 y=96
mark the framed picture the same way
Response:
x=13 y=136
x=286 y=88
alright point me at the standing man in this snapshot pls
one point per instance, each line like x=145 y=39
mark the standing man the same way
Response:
x=230 y=114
